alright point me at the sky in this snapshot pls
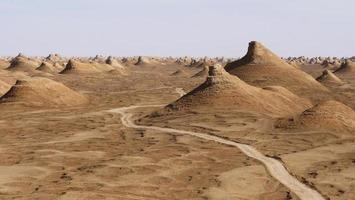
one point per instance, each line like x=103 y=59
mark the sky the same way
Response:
x=176 y=27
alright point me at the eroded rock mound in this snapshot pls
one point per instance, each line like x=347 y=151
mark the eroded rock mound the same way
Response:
x=113 y=62
x=329 y=78
x=48 y=68
x=261 y=67
x=22 y=63
x=222 y=90
x=347 y=67
x=42 y=92
x=329 y=116
x=74 y=66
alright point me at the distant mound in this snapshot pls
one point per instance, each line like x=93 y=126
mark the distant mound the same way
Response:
x=44 y=92
x=114 y=63
x=74 y=66
x=4 y=87
x=54 y=58
x=145 y=61
x=48 y=68
x=202 y=73
x=347 y=67
x=261 y=67
x=329 y=78
x=22 y=63
x=329 y=116
x=222 y=90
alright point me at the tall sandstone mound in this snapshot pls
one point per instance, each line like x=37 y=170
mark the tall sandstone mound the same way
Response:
x=142 y=60
x=329 y=78
x=22 y=63
x=77 y=67
x=114 y=63
x=42 y=92
x=261 y=67
x=48 y=68
x=222 y=90
x=328 y=116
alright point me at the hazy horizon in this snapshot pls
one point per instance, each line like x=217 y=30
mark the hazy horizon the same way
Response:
x=176 y=27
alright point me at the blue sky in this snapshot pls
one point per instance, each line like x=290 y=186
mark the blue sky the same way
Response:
x=176 y=27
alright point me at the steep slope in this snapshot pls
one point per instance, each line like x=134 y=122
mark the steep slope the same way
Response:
x=77 y=67
x=222 y=90
x=261 y=67
x=348 y=67
x=4 y=87
x=22 y=63
x=329 y=78
x=328 y=116
x=48 y=68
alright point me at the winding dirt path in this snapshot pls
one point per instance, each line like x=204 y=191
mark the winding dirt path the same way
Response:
x=275 y=167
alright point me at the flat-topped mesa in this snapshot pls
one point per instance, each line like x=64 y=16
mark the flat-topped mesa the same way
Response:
x=218 y=76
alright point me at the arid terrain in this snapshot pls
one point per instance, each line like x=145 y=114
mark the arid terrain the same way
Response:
x=259 y=127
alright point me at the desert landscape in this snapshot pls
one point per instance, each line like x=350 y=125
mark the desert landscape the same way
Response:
x=177 y=100
x=255 y=127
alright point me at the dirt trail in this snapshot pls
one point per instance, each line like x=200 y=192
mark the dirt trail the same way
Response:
x=275 y=167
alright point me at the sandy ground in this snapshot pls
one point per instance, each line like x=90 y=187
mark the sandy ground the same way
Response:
x=86 y=152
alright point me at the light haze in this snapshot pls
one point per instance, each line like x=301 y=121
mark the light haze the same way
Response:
x=177 y=27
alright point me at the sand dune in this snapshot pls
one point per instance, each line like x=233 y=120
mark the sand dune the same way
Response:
x=42 y=92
